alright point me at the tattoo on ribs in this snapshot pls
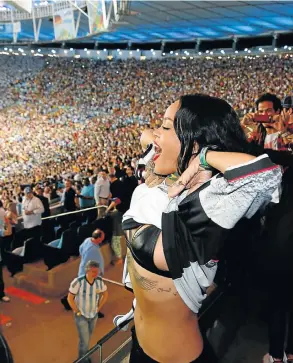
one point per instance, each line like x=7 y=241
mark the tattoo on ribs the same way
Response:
x=167 y=290
x=143 y=282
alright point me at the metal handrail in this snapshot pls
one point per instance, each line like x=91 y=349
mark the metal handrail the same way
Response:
x=75 y=211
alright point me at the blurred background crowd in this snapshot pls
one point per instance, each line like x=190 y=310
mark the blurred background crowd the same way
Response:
x=57 y=125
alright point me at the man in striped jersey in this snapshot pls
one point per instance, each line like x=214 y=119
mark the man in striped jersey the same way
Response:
x=87 y=295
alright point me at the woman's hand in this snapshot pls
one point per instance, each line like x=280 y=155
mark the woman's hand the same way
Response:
x=192 y=178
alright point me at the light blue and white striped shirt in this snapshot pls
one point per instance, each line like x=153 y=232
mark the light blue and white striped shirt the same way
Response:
x=87 y=295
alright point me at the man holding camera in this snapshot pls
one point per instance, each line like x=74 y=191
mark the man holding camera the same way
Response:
x=267 y=125
x=272 y=125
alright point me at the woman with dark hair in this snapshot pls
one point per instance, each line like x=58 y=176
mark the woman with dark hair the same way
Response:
x=175 y=231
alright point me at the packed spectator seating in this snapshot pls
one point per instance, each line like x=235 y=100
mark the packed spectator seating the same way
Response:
x=73 y=119
x=62 y=122
x=57 y=125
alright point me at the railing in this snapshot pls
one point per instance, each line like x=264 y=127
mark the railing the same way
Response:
x=75 y=211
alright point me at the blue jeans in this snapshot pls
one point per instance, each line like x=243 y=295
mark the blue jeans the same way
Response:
x=85 y=327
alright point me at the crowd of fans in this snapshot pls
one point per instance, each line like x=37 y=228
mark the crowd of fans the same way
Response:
x=70 y=129
x=61 y=117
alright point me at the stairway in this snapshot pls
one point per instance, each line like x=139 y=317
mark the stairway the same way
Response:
x=53 y=283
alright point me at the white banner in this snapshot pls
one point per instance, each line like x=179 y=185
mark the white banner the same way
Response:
x=96 y=14
x=64 y=27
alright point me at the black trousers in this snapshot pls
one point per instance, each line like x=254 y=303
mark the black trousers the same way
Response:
x=137 y=355
x=2 y=293
x=34 y=232
x=280 y=316
x=5 y=245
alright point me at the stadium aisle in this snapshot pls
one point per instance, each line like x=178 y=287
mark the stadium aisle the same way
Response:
x=46 y=332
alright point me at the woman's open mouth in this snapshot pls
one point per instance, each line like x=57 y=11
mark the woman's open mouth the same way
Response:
x=158 y=151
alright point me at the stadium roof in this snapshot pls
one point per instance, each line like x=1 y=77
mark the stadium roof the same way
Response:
x=151 y=21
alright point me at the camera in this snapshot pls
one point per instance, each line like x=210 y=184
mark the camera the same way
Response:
x=263 y=118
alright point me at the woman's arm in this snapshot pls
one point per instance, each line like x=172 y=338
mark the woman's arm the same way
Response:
x=223 y=160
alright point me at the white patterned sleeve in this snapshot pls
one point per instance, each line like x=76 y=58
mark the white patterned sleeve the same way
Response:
x=242 y=191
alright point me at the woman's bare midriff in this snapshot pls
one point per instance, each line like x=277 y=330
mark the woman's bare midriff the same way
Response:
x=167 y=330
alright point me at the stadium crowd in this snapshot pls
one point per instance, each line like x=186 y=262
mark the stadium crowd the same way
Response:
x=61 y=122
x=69 y=128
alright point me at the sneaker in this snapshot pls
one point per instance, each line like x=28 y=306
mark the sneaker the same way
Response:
x=5 y=299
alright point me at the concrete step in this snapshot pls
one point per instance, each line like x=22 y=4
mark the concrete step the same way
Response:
x=52 y=283
x=32 y=284
x=37 y=269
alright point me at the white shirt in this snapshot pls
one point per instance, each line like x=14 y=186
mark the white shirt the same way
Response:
x=33 y=205
x=102 y=189
x=87 y=295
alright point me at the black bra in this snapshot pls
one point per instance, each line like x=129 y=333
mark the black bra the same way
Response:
x=142 y=245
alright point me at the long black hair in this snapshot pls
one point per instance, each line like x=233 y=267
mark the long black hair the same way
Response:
x=207 y=121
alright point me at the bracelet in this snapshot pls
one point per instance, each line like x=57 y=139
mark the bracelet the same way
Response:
x=202 y=158
x=78 y=313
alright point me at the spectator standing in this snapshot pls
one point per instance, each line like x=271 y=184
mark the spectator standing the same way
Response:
x=102 y=192
x=32 y=209
x=44 y=200
x=90 y=251
x=2 y=218
x=3 y=297
x=68 y=197
x=87 y=195
x=129 y=184
x=117 y=208
x=6 y=224
x=87 y=295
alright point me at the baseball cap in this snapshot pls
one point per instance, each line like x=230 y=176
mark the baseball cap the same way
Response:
x=28 y=190
x=287 y=102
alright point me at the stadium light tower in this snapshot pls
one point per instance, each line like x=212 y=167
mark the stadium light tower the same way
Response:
x=197 y=45
x=234 y=46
